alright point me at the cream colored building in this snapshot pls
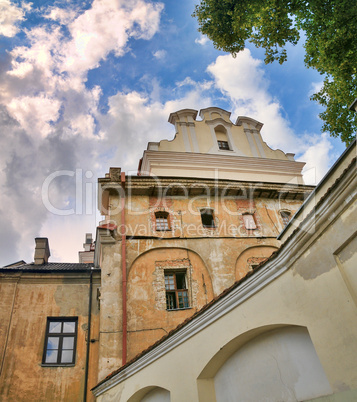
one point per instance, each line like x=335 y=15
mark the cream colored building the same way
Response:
x=287 y=331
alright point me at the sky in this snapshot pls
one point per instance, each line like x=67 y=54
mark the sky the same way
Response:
x=85 y=85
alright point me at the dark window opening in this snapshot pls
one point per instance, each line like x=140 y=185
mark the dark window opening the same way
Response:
x=176 y=290
x=285 y=216
x=162 y=221
x=207 y=218
x=223 y=145
x=60 y=341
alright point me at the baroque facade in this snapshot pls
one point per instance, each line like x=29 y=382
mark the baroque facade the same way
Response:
x=203 y=210
x=201 y=258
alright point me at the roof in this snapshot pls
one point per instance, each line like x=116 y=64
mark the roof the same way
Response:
x=51 y=267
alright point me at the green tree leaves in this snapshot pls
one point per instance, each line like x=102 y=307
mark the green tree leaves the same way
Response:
x=331 y=45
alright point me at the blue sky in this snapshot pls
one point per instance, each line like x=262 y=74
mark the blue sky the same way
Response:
x=86 y=84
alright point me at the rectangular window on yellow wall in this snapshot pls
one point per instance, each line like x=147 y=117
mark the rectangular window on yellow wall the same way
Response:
x=60 y=341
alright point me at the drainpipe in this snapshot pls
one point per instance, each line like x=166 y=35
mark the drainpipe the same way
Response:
x=88 y=335
x=123 y=259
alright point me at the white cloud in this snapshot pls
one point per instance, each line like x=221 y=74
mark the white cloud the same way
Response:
x=106 y=27
x=243 y=81
x=10 y=16
x=202 y=40
x=50 y=119
x=62 y=15
x=315 y=87
x=160 y=54
x=317 y=158
x=35 y=114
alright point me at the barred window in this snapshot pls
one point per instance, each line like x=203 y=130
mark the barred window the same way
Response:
x=176 y=290
x=60 y=341
x=162 y=221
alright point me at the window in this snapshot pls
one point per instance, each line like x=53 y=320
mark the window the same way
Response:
x=222 y=138
x=285 y=216
x=60 y=341
x=176 y=290
x=249 y=221
x=162 y=221
x=207 y=218
x=223 y=145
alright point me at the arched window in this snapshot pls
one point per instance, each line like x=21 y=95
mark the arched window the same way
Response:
x=162 y=221
x=222 y=139
x=285 y=216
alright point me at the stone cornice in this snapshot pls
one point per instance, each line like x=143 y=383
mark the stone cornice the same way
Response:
x=188 y=160
x=179 y=186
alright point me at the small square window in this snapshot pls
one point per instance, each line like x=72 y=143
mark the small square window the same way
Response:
x=207 y=217
x=60 y=341
x=176 y=290
x=249 y=221
x=223 y=145
x=162 y=221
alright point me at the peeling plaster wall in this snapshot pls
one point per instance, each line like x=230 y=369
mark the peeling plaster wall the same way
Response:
x=148 y=319
x=213 y=255
x=23 y=318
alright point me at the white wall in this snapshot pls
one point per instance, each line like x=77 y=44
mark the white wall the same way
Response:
x=280 y=365
x=157 y=395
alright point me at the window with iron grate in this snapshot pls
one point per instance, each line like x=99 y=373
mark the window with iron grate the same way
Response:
x=162 y=222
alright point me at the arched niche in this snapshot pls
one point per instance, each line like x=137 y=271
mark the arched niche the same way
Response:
x=250 y=258
x=280 y=365
x=149 y=315
x=222 y=138
x=151 y=394
x=275 y=363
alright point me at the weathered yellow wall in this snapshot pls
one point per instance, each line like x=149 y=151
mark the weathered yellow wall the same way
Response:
x=24 y=308
x=218 y=257
x=148 y=319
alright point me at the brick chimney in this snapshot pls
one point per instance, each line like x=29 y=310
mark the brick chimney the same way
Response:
x=42 y=250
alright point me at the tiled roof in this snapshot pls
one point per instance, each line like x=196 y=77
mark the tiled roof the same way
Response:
x=50 y=266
